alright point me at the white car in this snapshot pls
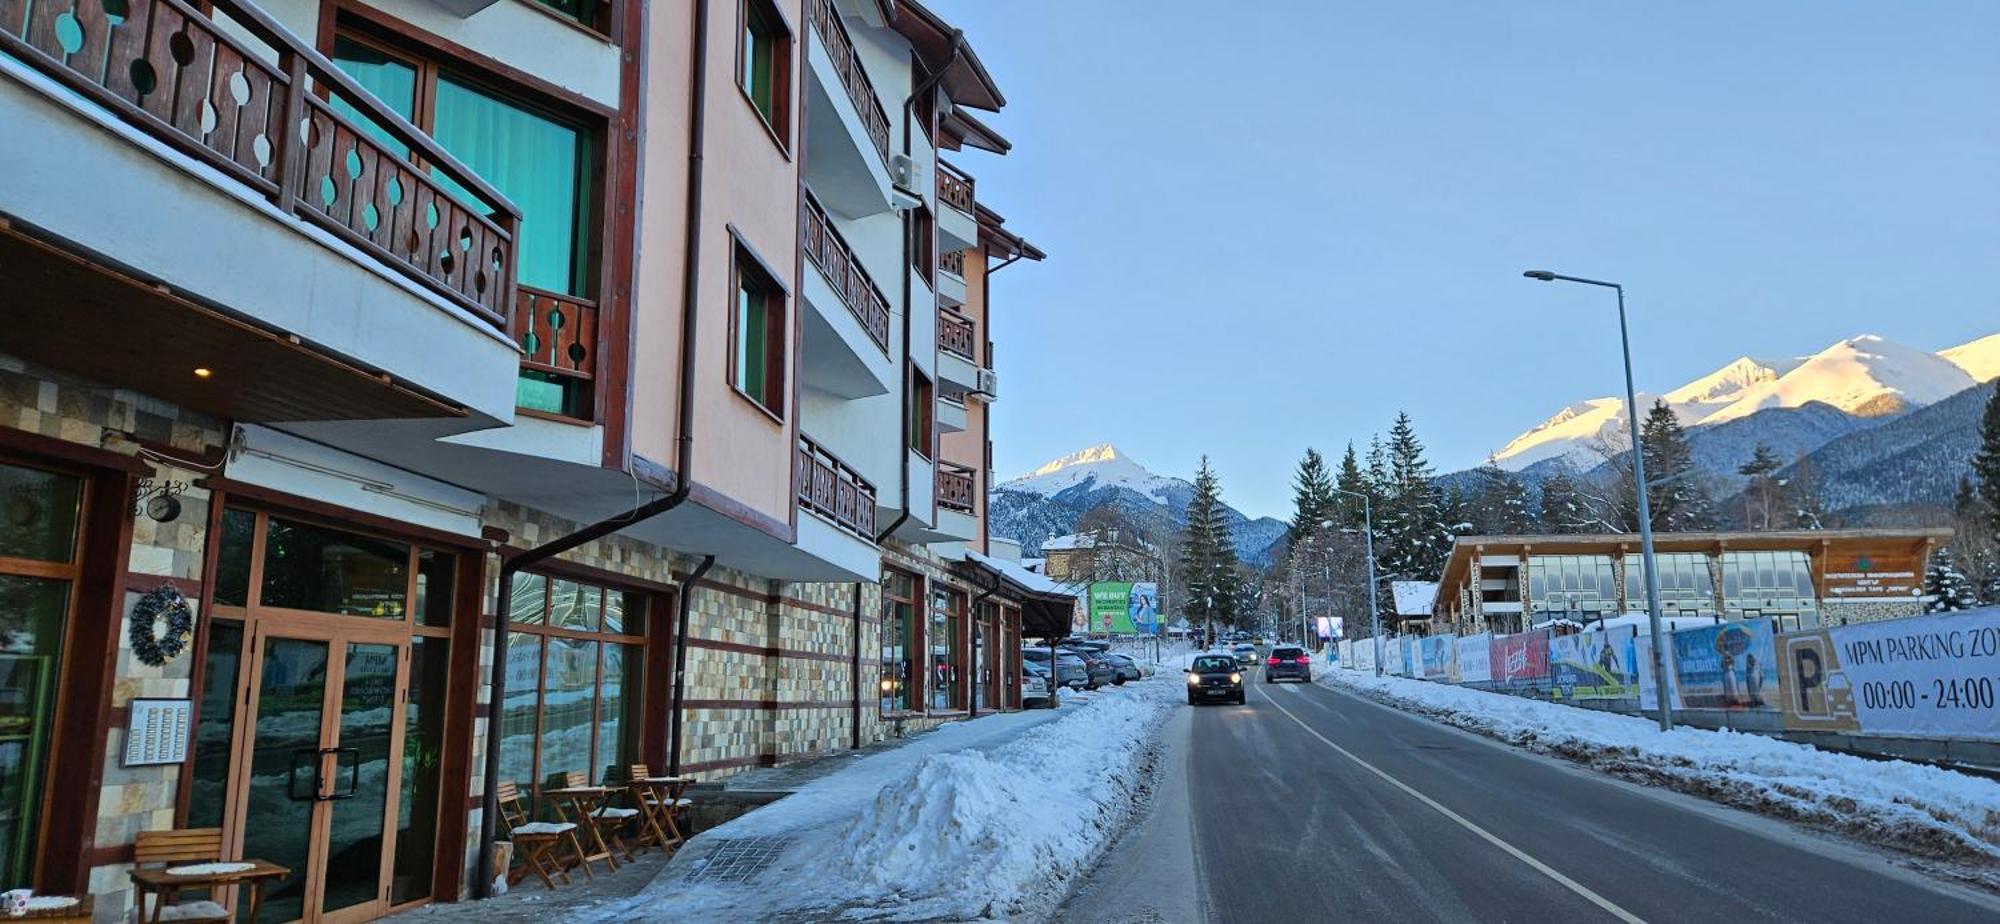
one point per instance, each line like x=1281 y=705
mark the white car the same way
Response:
x=1034 y=685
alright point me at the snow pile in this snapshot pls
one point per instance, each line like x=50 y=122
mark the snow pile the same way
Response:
x=1920 y=808
x=971 y=835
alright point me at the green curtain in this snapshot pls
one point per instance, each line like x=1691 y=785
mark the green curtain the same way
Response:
x=538 y=163
x=390 y=80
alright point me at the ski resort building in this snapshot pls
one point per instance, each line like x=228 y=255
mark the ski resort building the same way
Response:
x=1800 y=579
x=401 y=398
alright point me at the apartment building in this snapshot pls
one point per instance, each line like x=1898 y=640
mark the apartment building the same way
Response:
x=602 y=383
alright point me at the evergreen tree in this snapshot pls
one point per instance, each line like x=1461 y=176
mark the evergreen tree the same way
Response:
x=1563 y=510
x=1808 y=508
x=1412 y=538
x=1946 y=588
x=1678 y=501
x=1378 y=468
x=1312 y=497
x=1210 y=587
x=1499 y=503
x=1761 y=497
x=1986 y=462
x=1350 y=479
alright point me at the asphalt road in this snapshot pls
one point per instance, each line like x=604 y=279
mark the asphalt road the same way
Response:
x=1310 y=804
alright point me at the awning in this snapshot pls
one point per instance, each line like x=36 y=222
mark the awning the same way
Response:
x=1046 y=606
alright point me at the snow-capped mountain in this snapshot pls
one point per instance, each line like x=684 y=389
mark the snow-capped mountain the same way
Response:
x=1048 y=501
x=1865 y=376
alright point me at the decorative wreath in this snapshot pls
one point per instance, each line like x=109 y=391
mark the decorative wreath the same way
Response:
x=165 y=602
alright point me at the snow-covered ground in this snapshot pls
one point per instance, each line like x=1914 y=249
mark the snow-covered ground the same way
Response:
x=1924 y=809
x=987 y=819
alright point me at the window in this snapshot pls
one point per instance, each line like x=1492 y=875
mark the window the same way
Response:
x=1571 y=583
x=1684 y=581
x=764 y=64
x=757 y=336
x=37 y=570
x=899 y=639
x=573 y=680
x=923 y=257
x=923 y=401
x=587 y=13
x=545 y=163
x=946 y=662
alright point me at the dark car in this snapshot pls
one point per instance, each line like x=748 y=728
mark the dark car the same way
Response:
x=1213 y=678
x=1098 y=668
x=1246 y=654
x=1127 y=668
x=1288 y=662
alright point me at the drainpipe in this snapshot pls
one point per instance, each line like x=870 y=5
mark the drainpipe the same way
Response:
x=909 y=244
x=697 y=132
x=857 y=666
x=685 y=600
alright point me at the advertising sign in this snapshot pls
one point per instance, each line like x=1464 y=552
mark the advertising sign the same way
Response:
x=1924 y=676
x=1110 y=603
x=1593 y=665
x=1438 y=656
x=1475 y=659
x=1412 y=656
x=1853 y=574
x=1520 y=659
x=1364 y=655
x=1727 y=666
x=1142 y=607
x=1649 y=692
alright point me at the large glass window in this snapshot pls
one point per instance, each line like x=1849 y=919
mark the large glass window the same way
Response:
x=574 y=676
x=43 y=515
x=1572 y=584
x=1685 y=583
x=1767 y=580
x=311 y=567
x=220 y=673
x=947 y=662
x=757 y=336
x=899 y=639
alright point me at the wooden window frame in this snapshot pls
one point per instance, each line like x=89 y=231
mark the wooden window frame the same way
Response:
x=913 y=701
x=923 y=414
x=544 y=631
x=745 y=264
x=778 y=124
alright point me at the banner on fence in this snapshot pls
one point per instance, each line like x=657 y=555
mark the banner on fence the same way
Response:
x=1439 y=655
x=1726 y=666
x=1413 y=658
x=1475 y=659
x=1649 y=688
x=1593 y=665
x=1519 y=659
x=1932 y=676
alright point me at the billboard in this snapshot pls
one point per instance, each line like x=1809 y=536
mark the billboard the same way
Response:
x=1124 y=608
x=1475 y=659
x=1928 y=676
x=1439 y=657
x=1520 y=659
x=1594 y=665
x=1727 y=666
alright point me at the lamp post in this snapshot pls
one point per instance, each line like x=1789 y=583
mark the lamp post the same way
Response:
x=1374 y=610
x=1639 y=487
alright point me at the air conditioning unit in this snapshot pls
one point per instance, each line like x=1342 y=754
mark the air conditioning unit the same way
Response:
x=906 y=177
x=989 y=384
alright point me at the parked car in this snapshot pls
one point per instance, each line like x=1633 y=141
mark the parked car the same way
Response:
x=1035 y=687
x=1070 y=670
x=1214 y=677
x=1127 y=668
x=1288 y=662
x=1098 y=668
x=1246 y=654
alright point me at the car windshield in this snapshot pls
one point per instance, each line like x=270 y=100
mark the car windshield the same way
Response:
x=1214 y=663
x=1287 y=652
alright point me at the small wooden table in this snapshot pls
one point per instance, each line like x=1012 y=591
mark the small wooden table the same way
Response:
x=78 y=913
x=665 y=793
x=584 y=802
x=167 y=885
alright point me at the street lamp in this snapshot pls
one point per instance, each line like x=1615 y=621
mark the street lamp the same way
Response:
x=1639 y=487
x=1374 y=610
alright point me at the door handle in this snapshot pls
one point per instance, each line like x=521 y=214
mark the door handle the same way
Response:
x=351 y=757
x=292 y=776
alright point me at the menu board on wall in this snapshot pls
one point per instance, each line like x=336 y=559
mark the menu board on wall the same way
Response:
x=158 y=732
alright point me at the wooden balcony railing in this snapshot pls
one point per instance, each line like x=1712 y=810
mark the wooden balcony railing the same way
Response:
x=828 y=487
x=853 y=77
x=557 y=333
x=953 y=262
x=829 y=251
x=168 y=69
x=954 y=187
x=957 y=336
x=955 y=486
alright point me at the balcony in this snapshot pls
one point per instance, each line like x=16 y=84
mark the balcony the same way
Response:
x=951 y=278
x=558 y=338
x=846 y=346
x=210 y=168
x=957 y=228
x=955 y=486
x=847 y=130
x=831 y=489
x=958 y=350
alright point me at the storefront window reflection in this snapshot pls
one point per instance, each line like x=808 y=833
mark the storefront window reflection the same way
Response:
x=899 y=628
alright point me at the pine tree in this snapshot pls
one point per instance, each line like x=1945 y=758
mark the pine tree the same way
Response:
x=1412 y=539
x=1499 y=503
x=1678 y=501
x=1312 y=497
x=1761 y=497
x=1210 y=586
x=1350 y=480
x=1986 y=462
x=1563 y=509
x=1808 y=508
x=1946 y=588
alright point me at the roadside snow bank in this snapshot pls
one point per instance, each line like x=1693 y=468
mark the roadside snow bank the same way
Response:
x=1920 y=808
x=970 y=834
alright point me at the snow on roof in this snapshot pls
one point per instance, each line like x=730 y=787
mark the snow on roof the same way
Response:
x=1069 y=542
x=1413 y=598
x=1643 y=622
x=1029 y=580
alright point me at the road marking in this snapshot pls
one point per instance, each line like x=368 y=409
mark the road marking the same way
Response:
x=1491 y=838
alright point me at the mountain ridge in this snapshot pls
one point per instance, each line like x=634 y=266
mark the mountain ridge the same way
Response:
x=1049 y=500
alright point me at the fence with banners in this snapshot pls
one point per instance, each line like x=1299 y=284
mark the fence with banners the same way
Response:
x=1912 y=679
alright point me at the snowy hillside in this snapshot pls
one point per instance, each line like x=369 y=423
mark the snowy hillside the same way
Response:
x=1980 y=358
x=1867 y=376
x=1048 y=502
x=1571 y=434
x=1915 y=458
x=1725 y=386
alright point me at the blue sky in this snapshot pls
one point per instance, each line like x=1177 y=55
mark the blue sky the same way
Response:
x=1274 y=231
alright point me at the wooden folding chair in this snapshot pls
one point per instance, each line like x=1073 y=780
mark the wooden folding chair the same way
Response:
x=534 y=841
x=605 y=819
x=179 y=846
x=652 y=804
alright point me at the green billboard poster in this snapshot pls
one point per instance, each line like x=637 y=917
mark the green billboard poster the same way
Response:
x=1110 y=609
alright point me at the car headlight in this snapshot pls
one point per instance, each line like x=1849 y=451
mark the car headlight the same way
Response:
x=1194 y=679
x=1235 y=678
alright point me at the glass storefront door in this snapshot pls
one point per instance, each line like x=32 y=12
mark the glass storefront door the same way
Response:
x=324 y=752
x=41 y=516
